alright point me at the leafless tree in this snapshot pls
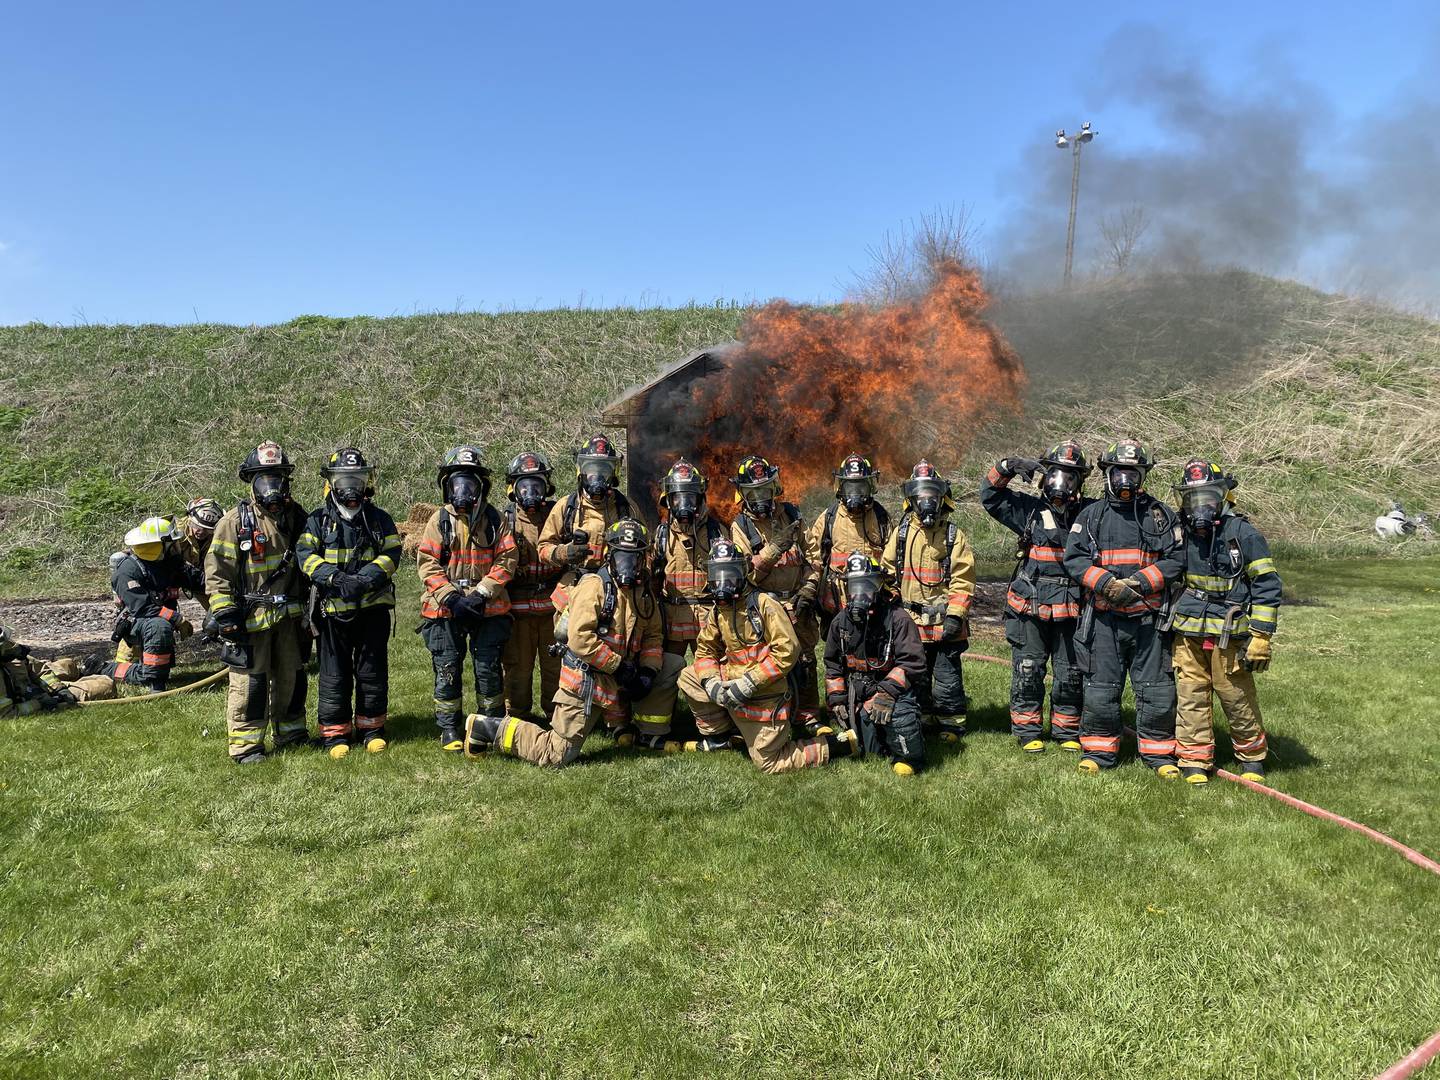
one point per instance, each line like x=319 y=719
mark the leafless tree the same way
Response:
x=901 y=264
x=1123 y=232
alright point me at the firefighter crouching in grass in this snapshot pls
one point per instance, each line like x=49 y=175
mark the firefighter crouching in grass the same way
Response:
x=466 y=559
x=612 y=662
x=1126 y=549
x=146 y=582
x=189 y=542
x=28 y=686
x=929 y=560
x=1223 y=624
x=743 y=657
x=257 y=606
x=770 y=533
x=1042 y=604
x=873 y=662
x=530 y=489
x=349 y=551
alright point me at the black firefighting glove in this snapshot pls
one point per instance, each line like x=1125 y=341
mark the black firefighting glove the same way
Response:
x=880 y=707
x=228 y=623
x=644 y=680
x=804 y=602
x=1118 y=593
x=578 y=550
x=953 y=628
x=372 y=576
x=468 y=609
x=1020 y=466
x=346 y=586
x=625 y=674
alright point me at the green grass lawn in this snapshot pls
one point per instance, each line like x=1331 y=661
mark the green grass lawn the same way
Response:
x=999 y=916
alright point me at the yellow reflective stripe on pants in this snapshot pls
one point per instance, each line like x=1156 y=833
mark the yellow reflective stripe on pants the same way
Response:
x=507 y=741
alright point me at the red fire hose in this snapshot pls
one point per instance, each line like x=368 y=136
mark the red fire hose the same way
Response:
x=1427 y=1051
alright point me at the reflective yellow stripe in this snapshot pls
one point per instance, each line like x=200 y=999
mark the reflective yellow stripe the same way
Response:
x=507 y=742
x=313 y=563
x=1260 y=566
x=221 y=601
x=224 y=547
x=386 y=563
x=1204 y=581
x=1210 y=625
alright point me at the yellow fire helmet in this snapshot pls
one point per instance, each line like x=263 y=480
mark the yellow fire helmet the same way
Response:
x=147 y=540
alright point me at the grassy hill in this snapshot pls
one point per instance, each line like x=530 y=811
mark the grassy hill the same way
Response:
x=1325 y=406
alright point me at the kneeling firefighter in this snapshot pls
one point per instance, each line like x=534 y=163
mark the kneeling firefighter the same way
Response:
x=146 y=582
x=466 y=559
x=929 y=560
x=1043 y=601
x=349 y=551
x=855 y=521
x=530 y=489
x=770 y=533
x=28 y=686
x=873 y=662
x=612 y=664
x=190 y=540
x=1223 y=624
x=1126 y=549
x=257 y=606
x=739 y=679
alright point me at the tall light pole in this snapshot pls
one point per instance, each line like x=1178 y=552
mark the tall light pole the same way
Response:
x=1075 y=143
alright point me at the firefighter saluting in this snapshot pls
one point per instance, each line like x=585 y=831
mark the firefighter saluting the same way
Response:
x=929 y=560
x=770 y=533
x=1125 y=549
x=614 y=644
x=257 y=604
x=855 y=521
x=1223 y=624
x=349 y=551
x=530 y=489
x=466 y=559
x=1043 y=601
x=873 y=663
x=744 y=654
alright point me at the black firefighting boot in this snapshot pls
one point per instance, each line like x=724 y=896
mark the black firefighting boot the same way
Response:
x=1195 y=774
x=663 y=743
x=709 y=743
x=1253 y=771
x=451 y=740
x=846 y=744
x=481 y=733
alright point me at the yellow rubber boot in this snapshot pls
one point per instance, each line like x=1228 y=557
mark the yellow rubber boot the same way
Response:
x=339 y=750
x=1090 y=768
x=1072 y=745
x=901 y=768
x=1034 y=746
x=375 y=744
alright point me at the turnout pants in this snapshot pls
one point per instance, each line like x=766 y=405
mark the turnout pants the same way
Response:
x=354 y=665
x=529 y=643
x=153 y=640
x=261 y=693
x=1204 y=671
x=448 y=642
x=571 y=722
x=943 y=694
x=901 y=739
x=806 y=675
x=766 y=729
x=1033 y=642
x=1121 y=645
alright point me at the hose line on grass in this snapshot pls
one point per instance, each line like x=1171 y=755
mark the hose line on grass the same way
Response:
x=208 y=680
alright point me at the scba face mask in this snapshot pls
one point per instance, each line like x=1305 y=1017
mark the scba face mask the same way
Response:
x=684 y=506
x=1202 y=507
x=760 y=504
x=860 y=597
x=464 y=490
x=725 y=581
x=595 y=478
x=855 y=494
x=529 y=492
x=1061 y=486
x=625 y=566
x=1124 y=483
x=271 y=491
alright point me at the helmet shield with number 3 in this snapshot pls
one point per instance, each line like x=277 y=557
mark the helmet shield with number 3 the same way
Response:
x=626 y=542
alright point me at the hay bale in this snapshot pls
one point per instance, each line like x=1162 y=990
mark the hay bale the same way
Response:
x=411 y=528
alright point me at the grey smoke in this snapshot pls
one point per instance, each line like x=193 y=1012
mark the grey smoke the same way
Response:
x=1256 y=173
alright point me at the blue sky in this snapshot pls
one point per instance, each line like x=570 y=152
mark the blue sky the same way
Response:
x=249 y=163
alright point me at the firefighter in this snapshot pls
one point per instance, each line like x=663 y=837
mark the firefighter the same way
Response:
x=257 y=607
x=349 y=551
x=1223 y=624
x=146 y=583
x=685 y=535
x=613 y=662
x=1043 y=601
x=743 y=657
x=185 y=561
x=467 y=559
x=530 y=489
x=873 y=663
x=929 y=560
x=1126 y=549
x=196 y=530
x=855 y=521
x=573 y=539
x=770 y=533
x=28 y=686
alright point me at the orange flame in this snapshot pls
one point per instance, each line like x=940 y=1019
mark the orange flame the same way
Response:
x=808 y=386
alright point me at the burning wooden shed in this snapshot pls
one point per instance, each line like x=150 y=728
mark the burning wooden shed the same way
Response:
x=659 y=427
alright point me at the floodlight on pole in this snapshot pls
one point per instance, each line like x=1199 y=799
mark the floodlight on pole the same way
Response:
x=1074 y=142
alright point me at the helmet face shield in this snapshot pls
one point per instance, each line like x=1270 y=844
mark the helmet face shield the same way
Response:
x=759 y=500
x=856 y=494
x=926 y=495
x=348 y=487
x=1061 y=486
x=463 y=490
x=1202 y=505
x=530 y=492
x=684 y=505
x=725 y=579
x=597 y=474
x=625 y=566
x=271 y=490
x=1124 y=482
x=860 y=595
